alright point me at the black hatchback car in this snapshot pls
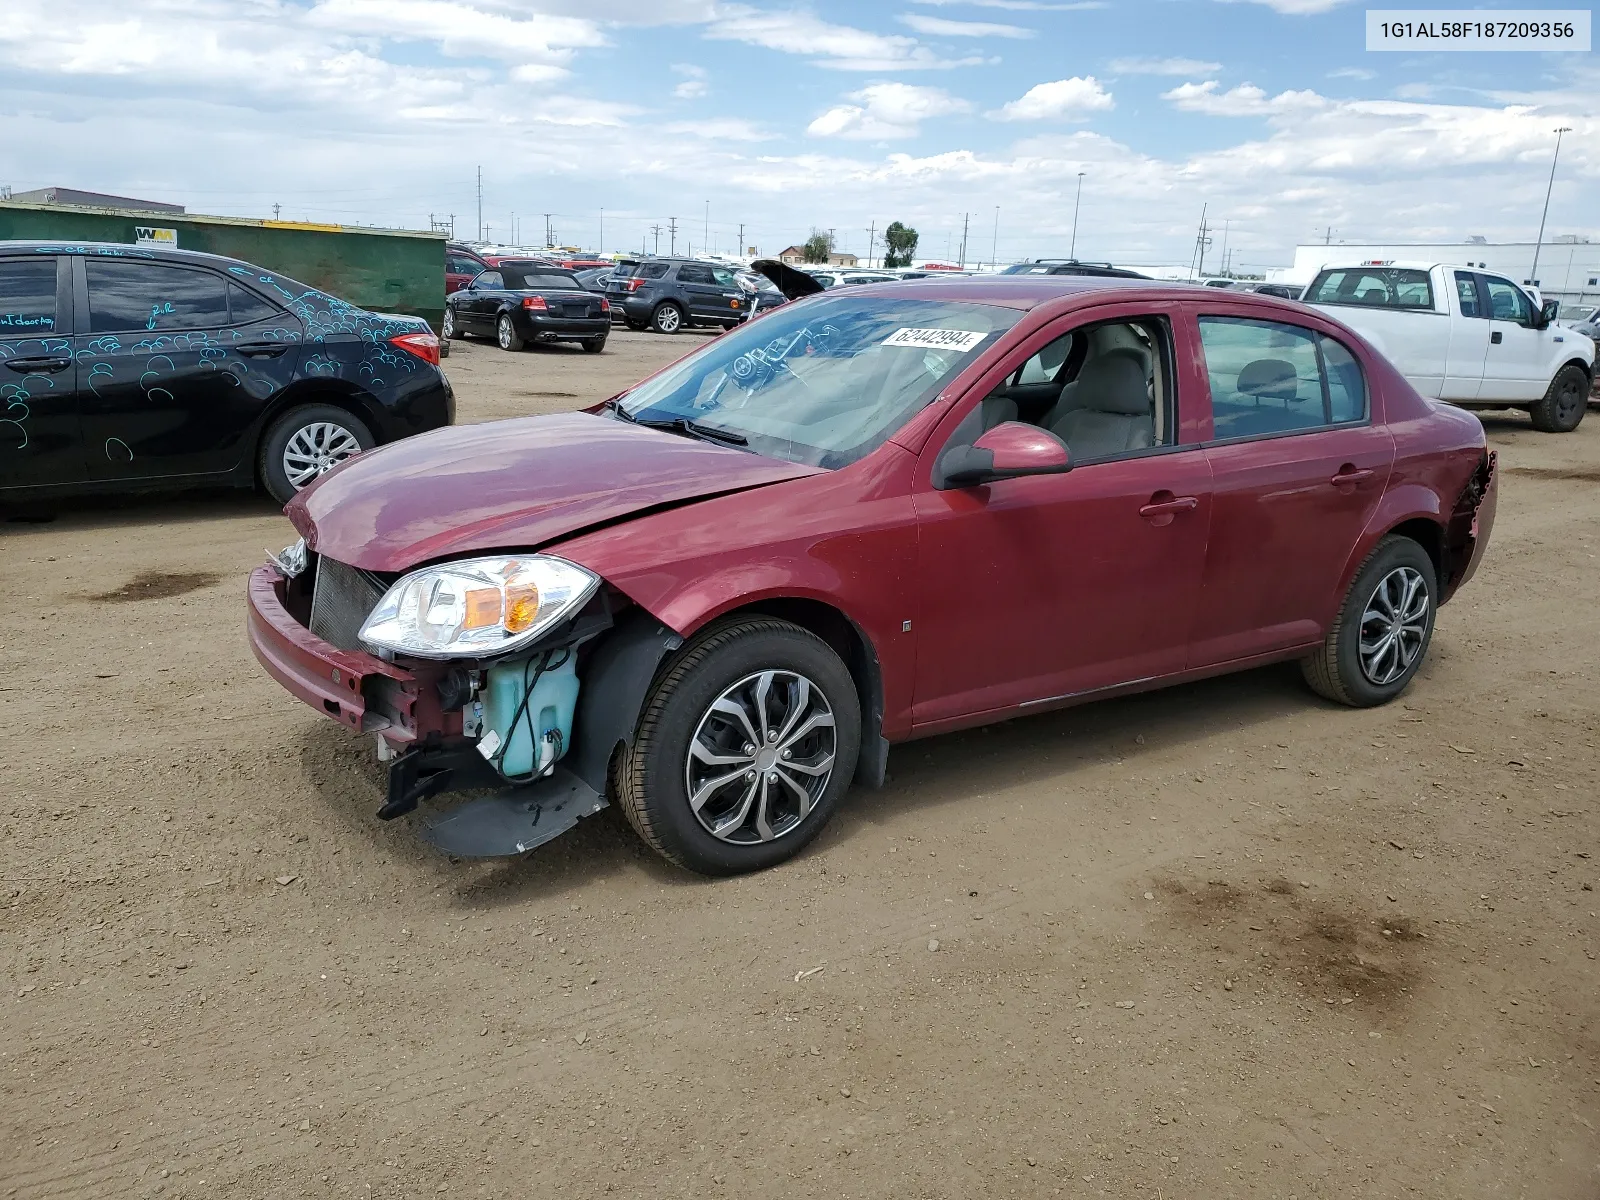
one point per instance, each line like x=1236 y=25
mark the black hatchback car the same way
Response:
x=125 y=368
x=668 y=294
x=518 y=301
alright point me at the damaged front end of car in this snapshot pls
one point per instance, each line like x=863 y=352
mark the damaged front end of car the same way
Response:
x=514 y=675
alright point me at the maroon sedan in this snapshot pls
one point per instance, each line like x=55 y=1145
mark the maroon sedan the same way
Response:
x=720 y=597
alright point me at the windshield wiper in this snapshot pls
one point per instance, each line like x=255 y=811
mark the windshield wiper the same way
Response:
x=709 y=433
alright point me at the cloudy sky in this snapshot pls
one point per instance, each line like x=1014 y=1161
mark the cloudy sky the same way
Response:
x=785 y=117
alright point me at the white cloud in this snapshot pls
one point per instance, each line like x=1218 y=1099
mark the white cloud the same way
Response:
x=939 y=27
x=1246 y=100
x=842 y=47
x=459 y=29
x=693 y=84
x=721 y=129
x=1023 y=5
x=1297 y=8
x=886 y=110
x=1163 y=66
x=1352 y=73
x=1064 y=99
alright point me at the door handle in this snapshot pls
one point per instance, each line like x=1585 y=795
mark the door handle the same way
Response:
x=45 y=365
x=261 y=349
x=1495 y=338
x=1161 y=511
x=1349 y=476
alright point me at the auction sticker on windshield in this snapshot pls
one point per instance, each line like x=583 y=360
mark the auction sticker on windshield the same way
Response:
x=935 y=339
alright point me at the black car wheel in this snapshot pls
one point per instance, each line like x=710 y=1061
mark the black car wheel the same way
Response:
x=505 y=333
x=668 y=318
x=307 y=442
x=1381 y=635
x=744 y=749
x=636 y=326
x=594 y=345
x=1564 y=402
x=449 y=327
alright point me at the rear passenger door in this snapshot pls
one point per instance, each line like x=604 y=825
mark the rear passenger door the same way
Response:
x=171 y=383
x=1298 y=466
x=41 y=440
x=700 y=291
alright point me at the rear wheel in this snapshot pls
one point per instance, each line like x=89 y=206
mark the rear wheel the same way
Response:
x=668 y=318
x=505 y=333
x=449 y=327
x=307 y=442
x=1382 y=633
x=743 y=750
x=594 y=345
x=1564 y=402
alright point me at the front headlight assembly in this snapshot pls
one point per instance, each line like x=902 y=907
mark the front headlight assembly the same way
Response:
x=479 y=607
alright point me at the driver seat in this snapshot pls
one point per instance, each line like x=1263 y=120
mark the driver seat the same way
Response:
x=1114 y=412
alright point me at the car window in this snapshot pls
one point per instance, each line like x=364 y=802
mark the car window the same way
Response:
x=1270 y=378
x=489 y=279
x=824 y=381
x=245 y=306
x=1508 y=302
x=1380 y=287
x=724 y=277
x=28 y=298
x=126 y=296
x=540 y=279
x=694 y=273
x=1467 y=290
x=457 y=264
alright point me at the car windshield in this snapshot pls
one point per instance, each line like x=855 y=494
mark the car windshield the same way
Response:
x=824 y=381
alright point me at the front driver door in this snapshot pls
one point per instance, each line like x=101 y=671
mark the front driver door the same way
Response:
x=1515 y=368
x=1051 y=586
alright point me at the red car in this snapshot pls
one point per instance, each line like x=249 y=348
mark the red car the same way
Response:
x=460 y=267
x=862 y=518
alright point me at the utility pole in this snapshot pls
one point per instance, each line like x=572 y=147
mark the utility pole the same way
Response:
x=601 y=248
x=741 y=241
x=705 y=242
x=1327 y=238
x=964 y=218
x=1201 y=241
x=872 y=236
x=277 y=207
x=516 y=239
x=480 y=204
x=1073 y=253
x=549 y=233
x=1226 y=221
x=830 y=245
x=656 y=229
x=1533 y=273
x=672 y=236
x=994 y=247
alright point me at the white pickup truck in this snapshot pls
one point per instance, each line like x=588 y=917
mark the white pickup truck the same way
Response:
x=1464 y=335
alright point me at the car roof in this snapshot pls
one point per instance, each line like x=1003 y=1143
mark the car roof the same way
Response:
x=1031 y=291
x=124 y=250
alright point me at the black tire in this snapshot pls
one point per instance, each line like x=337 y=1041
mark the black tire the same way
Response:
x=1336 y=671
x=652 y=779
x=636 y=326
x=270 y=466
x=450 y=330
x=667 y=318
x=594 y=345
x=1564 y=401
x=505 y=333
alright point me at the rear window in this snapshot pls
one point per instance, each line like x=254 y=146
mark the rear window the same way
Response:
x=540 y=279
x=1372 y=287
x=653 y=270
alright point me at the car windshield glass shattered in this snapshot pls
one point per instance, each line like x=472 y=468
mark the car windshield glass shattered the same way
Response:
x=822 y=381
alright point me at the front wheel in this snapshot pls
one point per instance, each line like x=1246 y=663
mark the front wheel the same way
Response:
x=307 y=442
x=744 y=749
x=1563 y=403
x=668 y=318
x=505 y=333
x=1381 y=635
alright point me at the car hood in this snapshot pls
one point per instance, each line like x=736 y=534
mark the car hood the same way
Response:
x=516 y=484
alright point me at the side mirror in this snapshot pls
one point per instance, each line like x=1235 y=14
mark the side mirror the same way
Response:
x=1008 y=451
x=1547 y=314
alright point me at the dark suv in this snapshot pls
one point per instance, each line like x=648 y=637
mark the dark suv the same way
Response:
x=1071 y=266
x=130 y=368
x=666 y=294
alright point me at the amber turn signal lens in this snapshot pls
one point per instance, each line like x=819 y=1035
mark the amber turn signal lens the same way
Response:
x=482 y=608
x=522 y=607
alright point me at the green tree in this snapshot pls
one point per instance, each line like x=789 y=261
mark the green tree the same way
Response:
x=901 y=243
x=818 y=247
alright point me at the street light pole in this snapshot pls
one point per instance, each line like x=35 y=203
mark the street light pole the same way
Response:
x=1533 y=274
x=1073 y=253
x=994 y=246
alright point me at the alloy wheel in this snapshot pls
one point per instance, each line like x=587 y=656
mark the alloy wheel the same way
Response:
x=503 y=332
x=449 y=329
x=667 y=319
x=761 y=757
x=1394 y=626
x=316 y=449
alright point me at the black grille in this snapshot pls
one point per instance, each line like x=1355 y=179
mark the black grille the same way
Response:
x=341 y=598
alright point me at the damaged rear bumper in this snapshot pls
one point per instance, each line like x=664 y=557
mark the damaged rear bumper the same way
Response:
x=1470 y=524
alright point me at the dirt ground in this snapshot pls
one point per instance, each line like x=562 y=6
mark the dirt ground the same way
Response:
x=1221 y=941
